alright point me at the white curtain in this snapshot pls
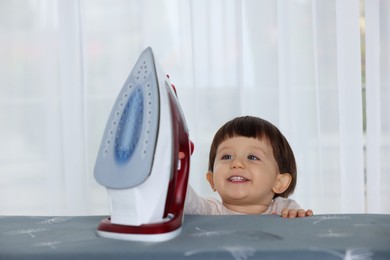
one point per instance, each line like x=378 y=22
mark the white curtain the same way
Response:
x=318 y=69
x=378 y=108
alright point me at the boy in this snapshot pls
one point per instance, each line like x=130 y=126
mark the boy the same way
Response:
x=253 y=169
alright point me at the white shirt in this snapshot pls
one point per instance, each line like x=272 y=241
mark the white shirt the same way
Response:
x=196 y=205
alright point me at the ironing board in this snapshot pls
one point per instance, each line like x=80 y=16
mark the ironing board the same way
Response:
x=363 y=236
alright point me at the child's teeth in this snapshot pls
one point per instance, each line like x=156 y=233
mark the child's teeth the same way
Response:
x=237 y=178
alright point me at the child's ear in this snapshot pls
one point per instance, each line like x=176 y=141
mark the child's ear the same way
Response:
x=209 y=177
x=282 y=183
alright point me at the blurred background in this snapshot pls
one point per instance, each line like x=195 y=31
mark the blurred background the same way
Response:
x=317 y=69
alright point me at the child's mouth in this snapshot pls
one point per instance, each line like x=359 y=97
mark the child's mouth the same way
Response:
x=237 y=179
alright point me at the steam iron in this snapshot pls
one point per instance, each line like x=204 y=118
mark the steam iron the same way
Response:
x=138 y=160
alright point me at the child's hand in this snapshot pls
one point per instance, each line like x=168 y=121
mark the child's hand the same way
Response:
x=182 y=155
x=294 y=213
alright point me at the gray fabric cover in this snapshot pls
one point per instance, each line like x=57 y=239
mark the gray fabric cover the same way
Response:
x=365 y=236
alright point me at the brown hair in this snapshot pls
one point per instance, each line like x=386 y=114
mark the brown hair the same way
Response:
x=254 y=127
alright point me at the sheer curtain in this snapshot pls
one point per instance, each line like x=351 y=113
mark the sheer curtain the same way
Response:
x=377 y=42
x=295 y=63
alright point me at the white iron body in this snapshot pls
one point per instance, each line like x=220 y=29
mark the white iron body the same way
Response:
x=138 y=158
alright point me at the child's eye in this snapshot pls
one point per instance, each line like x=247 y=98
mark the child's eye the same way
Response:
x=252 y=157
x=226 y=157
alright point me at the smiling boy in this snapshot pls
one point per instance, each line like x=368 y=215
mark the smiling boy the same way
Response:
x=253 y=169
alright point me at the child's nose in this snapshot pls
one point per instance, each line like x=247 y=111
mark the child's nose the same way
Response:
x=237 y=163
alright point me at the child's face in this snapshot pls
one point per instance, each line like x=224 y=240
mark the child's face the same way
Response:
x=245 y=171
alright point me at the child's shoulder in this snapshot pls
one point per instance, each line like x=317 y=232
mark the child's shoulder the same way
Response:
x=280 y=203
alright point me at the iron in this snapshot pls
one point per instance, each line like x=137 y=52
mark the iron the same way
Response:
x=138 y=159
